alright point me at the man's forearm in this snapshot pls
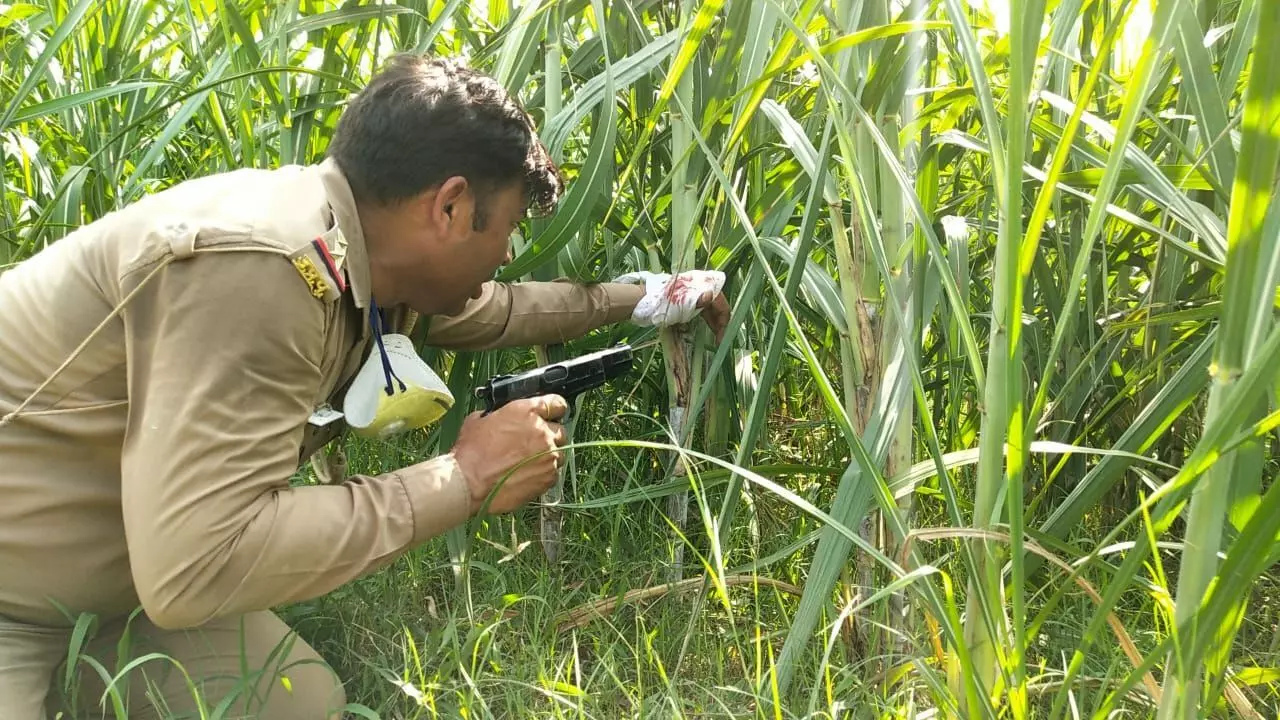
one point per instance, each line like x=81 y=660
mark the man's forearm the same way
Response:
x=533 y=313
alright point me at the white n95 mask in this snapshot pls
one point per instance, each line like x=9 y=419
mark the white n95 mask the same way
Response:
x=394 y=391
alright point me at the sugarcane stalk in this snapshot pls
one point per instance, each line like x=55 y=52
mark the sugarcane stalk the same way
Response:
x=901 y=290
x=860 y=366
x=675 y=342
x=898 y=290
x=1253 y=244
x=550 y=518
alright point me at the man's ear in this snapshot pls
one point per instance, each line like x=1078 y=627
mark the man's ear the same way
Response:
x=450 y=199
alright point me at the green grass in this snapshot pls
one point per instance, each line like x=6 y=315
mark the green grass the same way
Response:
x=1002 y=362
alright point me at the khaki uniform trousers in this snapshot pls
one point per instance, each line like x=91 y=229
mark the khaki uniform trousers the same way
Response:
x=254 y=664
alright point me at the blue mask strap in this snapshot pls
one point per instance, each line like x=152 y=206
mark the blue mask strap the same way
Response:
x=375 y=319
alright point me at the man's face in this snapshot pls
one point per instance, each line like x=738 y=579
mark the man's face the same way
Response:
x=457 y=258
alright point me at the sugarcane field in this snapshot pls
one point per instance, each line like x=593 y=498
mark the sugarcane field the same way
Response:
x=777 y=359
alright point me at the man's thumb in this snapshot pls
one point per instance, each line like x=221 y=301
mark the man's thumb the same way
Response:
x=552 y=407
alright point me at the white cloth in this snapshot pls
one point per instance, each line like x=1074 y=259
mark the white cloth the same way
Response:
x=671 y=300
x=418 y=397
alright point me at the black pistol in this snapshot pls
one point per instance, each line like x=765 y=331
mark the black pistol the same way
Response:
x=568 y=379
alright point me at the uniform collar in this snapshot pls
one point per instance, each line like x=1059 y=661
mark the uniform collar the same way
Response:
x=343 y=205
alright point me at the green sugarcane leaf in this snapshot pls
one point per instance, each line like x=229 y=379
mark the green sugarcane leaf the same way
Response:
x=579 y=202
x=37 y=71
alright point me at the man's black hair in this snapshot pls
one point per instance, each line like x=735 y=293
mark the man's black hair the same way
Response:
x=423 y=120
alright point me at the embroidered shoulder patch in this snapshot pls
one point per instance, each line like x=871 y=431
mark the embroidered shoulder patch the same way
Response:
x=307 y=269
x=307 y=263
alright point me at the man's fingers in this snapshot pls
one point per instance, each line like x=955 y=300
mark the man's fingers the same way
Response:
x=716 y=312
x=557 y=433
x=723 y=316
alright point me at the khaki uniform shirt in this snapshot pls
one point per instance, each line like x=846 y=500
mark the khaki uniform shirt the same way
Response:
x=190 y=336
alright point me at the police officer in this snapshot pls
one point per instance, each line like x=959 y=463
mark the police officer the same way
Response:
x=164 y=371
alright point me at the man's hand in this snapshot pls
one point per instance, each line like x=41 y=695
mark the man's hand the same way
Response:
x=489 y=447
x=716 y=312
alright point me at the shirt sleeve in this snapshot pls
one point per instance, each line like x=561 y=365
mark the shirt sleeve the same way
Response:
x=223 y=354
x=533 y=313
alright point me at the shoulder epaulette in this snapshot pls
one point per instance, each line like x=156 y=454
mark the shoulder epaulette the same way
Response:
x=323 y=275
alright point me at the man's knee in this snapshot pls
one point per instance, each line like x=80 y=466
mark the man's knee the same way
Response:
x=294 y=681
x=286 y=677
x=254 y=662
x=28 y=656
